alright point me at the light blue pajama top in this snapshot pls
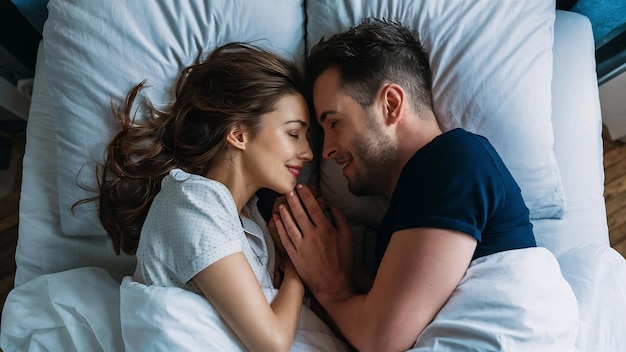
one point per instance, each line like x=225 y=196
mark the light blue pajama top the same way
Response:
x=192 y=223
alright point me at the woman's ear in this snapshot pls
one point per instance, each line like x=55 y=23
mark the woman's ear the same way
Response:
x=237 y=137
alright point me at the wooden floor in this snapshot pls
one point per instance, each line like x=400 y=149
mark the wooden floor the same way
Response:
x=615 y=194
x=615 y=191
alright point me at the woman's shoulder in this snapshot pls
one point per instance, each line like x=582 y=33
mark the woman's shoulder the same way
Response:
x=196 y=189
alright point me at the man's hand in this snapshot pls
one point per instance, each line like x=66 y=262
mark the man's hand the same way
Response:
x=321 y=252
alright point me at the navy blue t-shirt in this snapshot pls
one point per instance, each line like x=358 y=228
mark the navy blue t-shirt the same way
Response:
x=459 y=182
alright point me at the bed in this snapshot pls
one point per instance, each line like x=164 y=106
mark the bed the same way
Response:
x=520 y=73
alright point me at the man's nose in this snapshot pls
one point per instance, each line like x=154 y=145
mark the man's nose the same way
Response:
x=329 y=148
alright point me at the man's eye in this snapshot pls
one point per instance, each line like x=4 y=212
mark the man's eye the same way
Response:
x=332 y=124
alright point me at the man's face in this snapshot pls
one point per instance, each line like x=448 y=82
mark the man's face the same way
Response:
x=353 y=136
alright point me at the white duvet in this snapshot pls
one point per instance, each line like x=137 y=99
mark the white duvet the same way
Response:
x=509 y=301
x=516 y=300
x=173 y=319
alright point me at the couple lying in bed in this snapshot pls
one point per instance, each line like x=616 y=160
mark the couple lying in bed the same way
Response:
x=178 y=188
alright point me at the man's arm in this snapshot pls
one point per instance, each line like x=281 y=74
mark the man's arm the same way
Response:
x=418 y=273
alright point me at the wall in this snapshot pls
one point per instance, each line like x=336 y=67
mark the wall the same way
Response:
x=613 y=105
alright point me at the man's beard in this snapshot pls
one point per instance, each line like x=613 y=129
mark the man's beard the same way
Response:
x=373 y=160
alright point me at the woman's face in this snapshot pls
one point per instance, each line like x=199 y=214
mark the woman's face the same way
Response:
x=276 y=154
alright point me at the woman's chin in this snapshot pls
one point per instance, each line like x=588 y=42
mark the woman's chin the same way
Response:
x=285 y=188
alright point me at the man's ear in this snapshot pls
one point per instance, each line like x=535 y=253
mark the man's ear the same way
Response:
x=237 y=137
x=393 y=101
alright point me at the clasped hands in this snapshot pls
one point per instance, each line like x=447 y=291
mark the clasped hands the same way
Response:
x=321 y=252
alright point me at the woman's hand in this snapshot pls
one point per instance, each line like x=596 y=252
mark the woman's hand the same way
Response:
x=289 y=271
x=284 y=270
x=281 y=254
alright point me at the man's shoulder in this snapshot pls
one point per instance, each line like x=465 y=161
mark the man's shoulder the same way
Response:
x=459 y=138
x=453 y=156
x=457 y=146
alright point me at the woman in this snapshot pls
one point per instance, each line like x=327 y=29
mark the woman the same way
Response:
x=178 y=189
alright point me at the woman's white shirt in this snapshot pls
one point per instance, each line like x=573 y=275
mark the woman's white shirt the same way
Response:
x=192 y=223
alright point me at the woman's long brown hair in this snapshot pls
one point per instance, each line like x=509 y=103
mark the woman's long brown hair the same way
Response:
x=236 y=84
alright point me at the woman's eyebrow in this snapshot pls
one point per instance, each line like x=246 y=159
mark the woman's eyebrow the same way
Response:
x=301 y=122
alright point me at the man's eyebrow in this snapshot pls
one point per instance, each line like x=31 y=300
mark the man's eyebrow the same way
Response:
x=325 y=114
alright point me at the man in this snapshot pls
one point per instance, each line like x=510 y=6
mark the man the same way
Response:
x=451 y=198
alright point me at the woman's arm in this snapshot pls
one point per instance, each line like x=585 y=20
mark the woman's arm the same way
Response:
x=231 y=286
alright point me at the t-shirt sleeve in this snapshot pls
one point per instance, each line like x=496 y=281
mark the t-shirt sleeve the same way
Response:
x=458 y=190
x=199 y=227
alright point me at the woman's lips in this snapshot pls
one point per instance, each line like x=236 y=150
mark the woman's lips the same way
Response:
x=295 y=170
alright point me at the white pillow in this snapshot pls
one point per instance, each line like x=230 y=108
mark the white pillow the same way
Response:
x=492 y=70
x=97 y=50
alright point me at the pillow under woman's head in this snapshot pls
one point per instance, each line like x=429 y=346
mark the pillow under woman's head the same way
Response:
x=95 y=51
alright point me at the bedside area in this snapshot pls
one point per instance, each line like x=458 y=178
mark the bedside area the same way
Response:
x=608 y=21
x=17 y=66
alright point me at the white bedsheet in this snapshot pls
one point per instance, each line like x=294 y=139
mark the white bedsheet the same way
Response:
x=515 y=300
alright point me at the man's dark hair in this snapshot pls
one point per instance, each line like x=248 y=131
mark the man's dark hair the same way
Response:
x=371 y=54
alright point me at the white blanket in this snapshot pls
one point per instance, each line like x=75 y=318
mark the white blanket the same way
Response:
x=516 y=300
x=509 y=301
x=173 y=319
x=73 y=310
x=597 y=274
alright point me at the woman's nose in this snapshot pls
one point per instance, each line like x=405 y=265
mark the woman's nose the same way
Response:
x=307 y=153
